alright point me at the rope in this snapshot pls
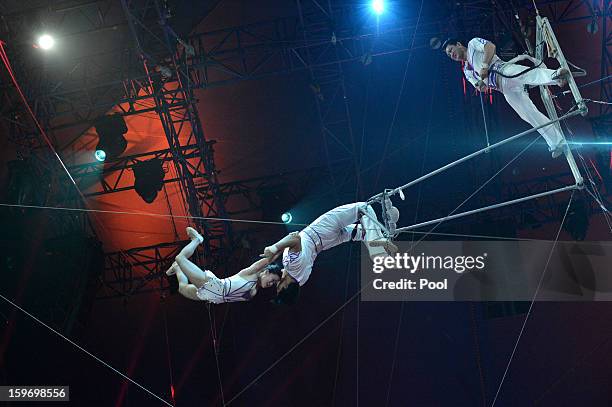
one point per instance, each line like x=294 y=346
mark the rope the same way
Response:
x=171 y=376
x=399 y=96
x=484 y=119
x=9 y=69
x=591 y=186
x=84 y=350
x=340 y=340
x=356 y=295
x=156 y=215
x=418 y=206
x=45 y=137
x=280 y=223
x=213 y=334
x=567 y=92
x=518 y=339
x=601 y=102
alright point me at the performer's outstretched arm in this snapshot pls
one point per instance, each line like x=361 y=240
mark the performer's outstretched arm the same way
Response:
x=256 y=267
x=292 y=241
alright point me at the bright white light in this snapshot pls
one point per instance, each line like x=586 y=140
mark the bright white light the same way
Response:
x=46 y=41
x=100 y=155
x=286 y=217
x=378 y=6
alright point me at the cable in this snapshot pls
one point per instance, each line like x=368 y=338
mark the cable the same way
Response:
x=567 y=92
x=213 y=334
x=535 y=294
x=9 y=69
x=157 y=215
x=84 y=350
x=329 y=317
x=399 y=96
x=416 y=212
x=168 y=354
x=484 y=119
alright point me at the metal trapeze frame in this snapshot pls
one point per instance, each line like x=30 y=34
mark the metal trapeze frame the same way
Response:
x=544 y=33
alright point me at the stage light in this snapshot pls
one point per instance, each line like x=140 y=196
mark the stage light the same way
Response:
x=100 y=155
x=149 y=179
x=46 y=41
x=287 y=217
x=378 y=6
x=435 y=43
x=110 y=131
x=592 y=27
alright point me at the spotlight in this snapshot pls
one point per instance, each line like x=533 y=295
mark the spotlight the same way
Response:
x=100 y=155
x=110 y=131
x=435 y=43
x=378 y=6
x=46 y=41
x=287 y=217
x=149 y=179
x=592 y=27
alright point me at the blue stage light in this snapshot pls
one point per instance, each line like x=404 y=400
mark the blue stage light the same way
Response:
x=378 y=6
x=100 y=155
x=286 y=217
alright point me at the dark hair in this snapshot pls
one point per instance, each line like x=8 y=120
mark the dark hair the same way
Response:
x=449 y=41
x=275 y=268
x=288 y=296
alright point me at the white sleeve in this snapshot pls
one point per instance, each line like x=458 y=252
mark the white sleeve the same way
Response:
x=477 y=44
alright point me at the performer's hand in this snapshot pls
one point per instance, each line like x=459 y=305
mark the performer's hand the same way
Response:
x=270 y=253
x=482 y=87
x=484 y=73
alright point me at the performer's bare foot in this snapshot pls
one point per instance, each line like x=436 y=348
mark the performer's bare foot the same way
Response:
x=172 y=270
x=389 y=246
x=193 y=234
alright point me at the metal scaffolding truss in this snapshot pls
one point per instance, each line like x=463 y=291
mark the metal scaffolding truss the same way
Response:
x=177 y=109
x=138 y=270
x=106 y=178
x=321 y=39
x=219 y=58
x=321 y=25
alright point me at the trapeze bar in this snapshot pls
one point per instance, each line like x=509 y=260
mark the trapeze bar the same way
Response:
x=472 y=155
x=487 y=208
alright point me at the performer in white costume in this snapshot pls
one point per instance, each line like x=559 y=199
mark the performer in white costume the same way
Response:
x=203 y=285
x=355 y=221
x=483 y=69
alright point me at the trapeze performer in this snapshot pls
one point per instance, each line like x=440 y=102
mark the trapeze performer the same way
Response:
x=350 y=222
x=203 y=285
x=485 y=70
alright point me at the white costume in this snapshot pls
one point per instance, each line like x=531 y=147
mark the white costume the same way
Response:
x=331 y=229
x=218 y=290
x=514 y=88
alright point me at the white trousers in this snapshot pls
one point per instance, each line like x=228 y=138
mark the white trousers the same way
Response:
x=337 y=225
x=517 y=97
